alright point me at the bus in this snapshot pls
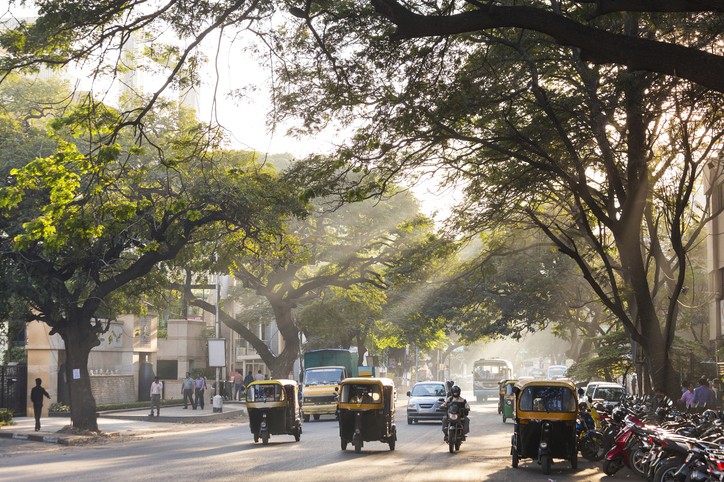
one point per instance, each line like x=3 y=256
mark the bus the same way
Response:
x=487 y=372
x=557 y=371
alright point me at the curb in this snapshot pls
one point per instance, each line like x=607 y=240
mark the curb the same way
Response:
x=53 y=439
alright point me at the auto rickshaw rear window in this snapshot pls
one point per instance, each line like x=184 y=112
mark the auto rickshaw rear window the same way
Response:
x=352 y=393
x=268 y=393
x=547 y=399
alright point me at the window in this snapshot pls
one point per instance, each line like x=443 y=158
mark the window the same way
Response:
x=547 y=399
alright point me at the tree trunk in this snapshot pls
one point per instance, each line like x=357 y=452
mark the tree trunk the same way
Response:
x=80 y=338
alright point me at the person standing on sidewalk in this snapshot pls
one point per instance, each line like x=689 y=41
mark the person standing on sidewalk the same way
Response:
x=187 y=390
x=156 y=391
x=36 y=396
x=238 y=383
x=200 y=386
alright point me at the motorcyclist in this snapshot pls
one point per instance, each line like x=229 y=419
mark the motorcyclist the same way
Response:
x=455 y=397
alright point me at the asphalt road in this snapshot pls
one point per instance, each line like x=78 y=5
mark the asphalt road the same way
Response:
x=226 y=451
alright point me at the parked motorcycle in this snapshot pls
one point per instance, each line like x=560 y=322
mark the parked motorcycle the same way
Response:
x=591 y=442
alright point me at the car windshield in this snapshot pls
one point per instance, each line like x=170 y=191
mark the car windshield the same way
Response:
x=608 y=393
x=428 y=390
x=323 y=376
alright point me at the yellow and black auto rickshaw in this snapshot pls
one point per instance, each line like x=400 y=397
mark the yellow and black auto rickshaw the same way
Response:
x=545 y=422
x=273 y=408
x=508 y=401
x=367 y=412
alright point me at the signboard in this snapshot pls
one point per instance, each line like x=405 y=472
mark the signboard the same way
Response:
x=217 y=352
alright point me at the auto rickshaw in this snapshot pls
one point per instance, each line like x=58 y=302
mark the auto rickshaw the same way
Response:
x=366 y=412
x=273 y=408
x=545 y=422
x=508 y=408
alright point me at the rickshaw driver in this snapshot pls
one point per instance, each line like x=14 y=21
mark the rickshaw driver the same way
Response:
x=455 y=397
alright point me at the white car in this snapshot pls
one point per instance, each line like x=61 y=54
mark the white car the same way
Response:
x=606 y=392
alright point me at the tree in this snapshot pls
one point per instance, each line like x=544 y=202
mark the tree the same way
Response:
x=84 y=222
x=344 y=248
x=603 y=160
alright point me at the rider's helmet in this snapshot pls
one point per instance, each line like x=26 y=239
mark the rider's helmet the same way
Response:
x=455 y=390
x=583 y=406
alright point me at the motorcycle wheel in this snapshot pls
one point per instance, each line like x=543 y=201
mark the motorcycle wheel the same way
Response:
x=256 y=437
x=505 y=418
x=265 y=438
x=344 y=444
x=451 y=443
x=637 y=461
x=457 y=446
x=357 y=442
x=545 y=462
x=593 y=448
x=298 y=433
x=611 y=466
x=409 y=421
x=665 y=472
x=306 y=418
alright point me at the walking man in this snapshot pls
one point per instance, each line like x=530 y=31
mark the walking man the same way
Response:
x=36 y=396
x=187 y=390
x=156 y=391
x=238 y=379
x=200 y=385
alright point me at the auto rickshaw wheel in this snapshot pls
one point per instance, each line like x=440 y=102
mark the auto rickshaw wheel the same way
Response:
x=514 y=462
x=316 y=416
x=505 y=419
x=344 y=444
x=574 y=461
x=545 y=461
x=256 y=437
x=306 y=417
x=357 y=442
x=265 y=438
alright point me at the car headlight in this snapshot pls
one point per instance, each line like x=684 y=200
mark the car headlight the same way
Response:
x=411 y=406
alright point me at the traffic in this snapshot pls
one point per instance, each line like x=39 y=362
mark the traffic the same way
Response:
x=554 y=420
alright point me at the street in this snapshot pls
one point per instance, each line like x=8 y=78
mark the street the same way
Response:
x=225 y=451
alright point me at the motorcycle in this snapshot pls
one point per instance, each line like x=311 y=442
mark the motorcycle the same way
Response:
x=629 y=449
x=455 y=426
x=591 y=442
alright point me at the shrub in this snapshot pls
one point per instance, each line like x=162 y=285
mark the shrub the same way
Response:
x=59 y=407
x=6 y=417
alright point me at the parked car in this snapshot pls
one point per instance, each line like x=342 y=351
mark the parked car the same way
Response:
x=608 y=393
x=425 y=400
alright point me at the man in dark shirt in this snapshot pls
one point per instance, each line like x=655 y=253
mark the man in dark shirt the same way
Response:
x=36 y=396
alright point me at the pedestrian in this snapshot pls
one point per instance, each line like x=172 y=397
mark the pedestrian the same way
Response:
x=238 y=380
x=200 y=386
x=259 y=375
x=703 y=395
x=156 y=391
x=687 y=396
x=36 y=396
x=187 y=390
x=249 y=378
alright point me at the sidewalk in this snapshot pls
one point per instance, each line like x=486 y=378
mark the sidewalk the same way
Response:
x=125 y=422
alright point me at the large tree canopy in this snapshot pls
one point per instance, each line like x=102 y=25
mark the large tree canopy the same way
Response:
x=87 y=220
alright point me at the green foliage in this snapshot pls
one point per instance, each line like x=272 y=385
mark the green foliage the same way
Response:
x=6 y=417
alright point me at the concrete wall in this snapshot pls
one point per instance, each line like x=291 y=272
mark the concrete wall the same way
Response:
x=109 y=389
